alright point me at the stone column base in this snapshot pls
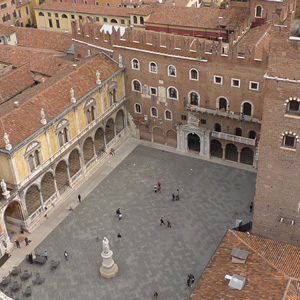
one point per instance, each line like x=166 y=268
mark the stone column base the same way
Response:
x=109 y=272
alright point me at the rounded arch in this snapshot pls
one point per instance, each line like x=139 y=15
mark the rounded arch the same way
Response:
x=88 y=149
x=47 y=185
x=32 y=199
x=99 y=141
x=258 y=11
x=222 y=103
x=194 y=98
x=247 y=108
x=168 y=115
x=144 y=133
x=135 y=64
x=109 y=130
x=218 y=127
x=134 y=19
x=152 y=67
x=74 y=162
x=231 y=152
x=142 y=20
x=61 y=176
x=64 y=16
x=216 y=149
x=120 y=121
x=158 y=136
x=113 y=21
x=172 y=93
x=194 y=142
x=137 y=108
x=41 y=14
x=136 y=85
x=194 y=74
x=12 y=217
x=172 y=71
x=247 y=156
x=154 y=112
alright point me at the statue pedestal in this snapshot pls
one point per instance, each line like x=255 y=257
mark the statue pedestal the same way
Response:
x=6 y=194
x=108 y=269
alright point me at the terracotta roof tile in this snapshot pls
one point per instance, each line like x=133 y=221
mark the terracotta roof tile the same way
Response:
x=53 y=96
x=86 y=9
x=293 y=292
x=179 y=3
x=6 y=30
x=20 y=3
x=268 y=270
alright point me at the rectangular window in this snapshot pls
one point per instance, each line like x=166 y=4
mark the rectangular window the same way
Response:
x=57 y=24
x=56 y=15
x=122 y=21
x=253 y=86
x=80 y=17
x=3 y=6
x=97 y=19
x=153 y=91
x=97 y=3
x=183 y=117
x=27 y=10
x=105 y=19
x=49 y=14
x=289 y=141
x=20 y=14
x=235 y=83
x=203 y=121
x=50 y=23
x=72 y=16
x=218 y=79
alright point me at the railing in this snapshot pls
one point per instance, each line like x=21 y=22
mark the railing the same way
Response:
x=72 y=142
x=90 y=162
x=233 y=138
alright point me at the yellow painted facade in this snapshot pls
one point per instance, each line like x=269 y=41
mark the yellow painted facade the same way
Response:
x=24 y=14
x=5 y=169
x=61 y=21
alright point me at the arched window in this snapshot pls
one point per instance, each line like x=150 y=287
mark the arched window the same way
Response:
x=134 y=20
x=135 y=64
x=222 y=104
x=258 y=11
x=194 y=75
x=238 y=131
x=137 y=108
x=136 y=86
x=293 y=106
x=141 y=20
x=218 y=127
x=33 y=155
x=153 y=67
x=154 y=112
x=90 y=110
x=252 y=134
x=113 y=21
x=64 y=16
x=172 y=71
x=194 y=98
x=62 y=132
x=107 y=4
x=172 y=93
x=112 y=93
x=41 y=14
x=168 y=115
x=247 y=109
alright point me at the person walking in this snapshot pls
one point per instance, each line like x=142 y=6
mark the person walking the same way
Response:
x=79 y=198
x=119 y=236
x=120 y=217
x=177 y=195
x=66 y=254
x=169 y=223
x=159 y=186
x=155 y=295
x=162 y=222
x=46 y=255
x=173 y=197
x=26 y=241
x=17 y=244
x=251 y=207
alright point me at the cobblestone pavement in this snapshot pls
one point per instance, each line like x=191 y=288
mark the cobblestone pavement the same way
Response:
x=150 y=257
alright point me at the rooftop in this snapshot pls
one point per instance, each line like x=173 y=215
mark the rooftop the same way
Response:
x=6 y=30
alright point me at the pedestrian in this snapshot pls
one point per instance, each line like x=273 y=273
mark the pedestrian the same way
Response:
x=251 y=207
x=112 y=152
x=46 y=255
x=173 y=197
x=79 y=198
x=162 y=222
x=45 y=208
x=46 y=216
x=155 y=295
x=120 y=216
x=159 y=186
x=17 y=244
x=169 y=223
x=119 y=236
x=118 y=211
x=66 y=255
x=26 y=241
x=155 y=188
x=177 y=195
x=70 y=208
x=30 y=258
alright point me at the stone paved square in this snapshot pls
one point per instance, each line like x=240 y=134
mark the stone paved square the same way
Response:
x=150 y=257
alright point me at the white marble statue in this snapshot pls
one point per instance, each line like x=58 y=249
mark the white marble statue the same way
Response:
x=72 y=93
x=98 y=81
x=105 y=245
x=120 y=61
x=7 y=143
x=3 y=186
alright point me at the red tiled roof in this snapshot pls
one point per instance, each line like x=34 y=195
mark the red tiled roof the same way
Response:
x=85 y=9
x=6 y=30
x=202 y=17
x=21 y=3
x=43 y=39
x=269 y=269
x=53 y=96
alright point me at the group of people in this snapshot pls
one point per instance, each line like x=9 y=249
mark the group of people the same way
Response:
x=119 y=214
x=176 y=197
x=190 y=280
x=157 y=187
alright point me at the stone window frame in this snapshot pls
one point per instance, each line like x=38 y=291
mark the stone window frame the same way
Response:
x=288 y=104
x=191 y=77
x=90 y=110
x=166 y=118
x=135 y=64
x=151 y=91
x=189 y=98
x=153 y=67
x=218 y=77
x=62 y=132
x=168 y=93
x=261 y=12
x=33 y=156
x=251 y=88
x=138 y=111
x=134 y=87
x=233 y=80
x=242 y=108
x=112 y=93
x=292 y=136
x=218 y=103
x=152 y=109
x=172 y=68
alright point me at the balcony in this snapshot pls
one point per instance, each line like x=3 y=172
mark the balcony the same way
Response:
x=231 y=115
x=233 y=138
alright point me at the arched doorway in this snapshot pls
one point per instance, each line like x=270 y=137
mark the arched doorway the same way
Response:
x=247 y=156
x=47 y=186
x=218 y=127
x=193 y=142
x=99 y=141
x=171 y=138
x=216 y=149
x=13 y=217
x=144 y=133
x=74 y=162
x=119 y=121
x=109 y=130
x=231 y=152
x=61 y=175
x=158 y=136
x=32 y=199
x=88 y=150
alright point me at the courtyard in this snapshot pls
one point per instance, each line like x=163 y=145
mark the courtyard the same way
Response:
x=150 y=257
